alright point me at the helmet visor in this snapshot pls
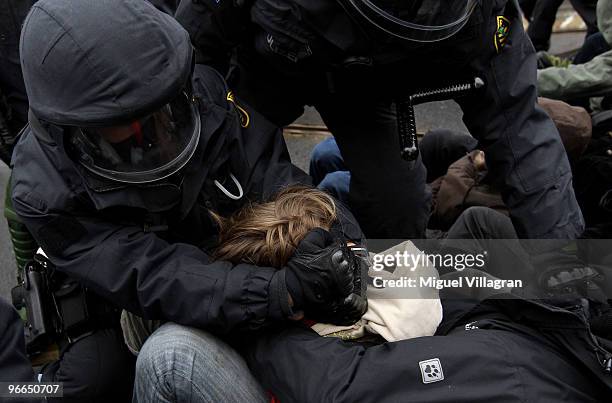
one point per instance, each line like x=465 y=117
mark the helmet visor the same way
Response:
x=144 y=150
x=414 y=20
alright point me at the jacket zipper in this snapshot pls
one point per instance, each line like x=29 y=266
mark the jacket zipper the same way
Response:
x=606 y=362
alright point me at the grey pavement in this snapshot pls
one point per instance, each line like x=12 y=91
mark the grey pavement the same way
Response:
x=439 y=115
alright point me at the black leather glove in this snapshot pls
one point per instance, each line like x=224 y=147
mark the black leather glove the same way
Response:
x=346 y=311
x=324 y=279
x=563 y=274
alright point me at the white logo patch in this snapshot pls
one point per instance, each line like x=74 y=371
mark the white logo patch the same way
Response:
x=471 y=326
x=431 y=370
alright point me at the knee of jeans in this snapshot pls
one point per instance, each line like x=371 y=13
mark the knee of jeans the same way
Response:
x=179 y=351
x=337 y=184
x=180 y=361
x=325 y=153
x=167 y=350
x=335 y=179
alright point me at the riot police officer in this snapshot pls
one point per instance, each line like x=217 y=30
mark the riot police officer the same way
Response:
x=129 y=146
x=359 y=62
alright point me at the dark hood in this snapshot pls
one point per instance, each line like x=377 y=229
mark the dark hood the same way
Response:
x=101 y=62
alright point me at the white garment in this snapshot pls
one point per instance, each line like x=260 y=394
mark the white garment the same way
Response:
x=390 y=316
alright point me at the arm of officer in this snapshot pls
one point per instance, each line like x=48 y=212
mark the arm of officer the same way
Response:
x=521 y=142
x=144 y=274
x=215 y=27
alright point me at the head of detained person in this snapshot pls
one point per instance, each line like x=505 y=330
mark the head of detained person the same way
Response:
x=411 y=20
x=267 y=234
x=115 y=74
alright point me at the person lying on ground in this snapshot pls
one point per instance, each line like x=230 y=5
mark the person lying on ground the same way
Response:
x=485 y=348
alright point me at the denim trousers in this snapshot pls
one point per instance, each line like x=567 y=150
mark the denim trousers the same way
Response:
x=182 y=364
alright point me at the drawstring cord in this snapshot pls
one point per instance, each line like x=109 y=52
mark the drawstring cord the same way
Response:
x=227 y=192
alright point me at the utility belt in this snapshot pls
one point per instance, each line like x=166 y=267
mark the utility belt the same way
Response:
x=58 y=309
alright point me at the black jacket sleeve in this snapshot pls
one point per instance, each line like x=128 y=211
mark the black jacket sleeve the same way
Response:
x=522 y=145
x=144 y=274
x=215 y=27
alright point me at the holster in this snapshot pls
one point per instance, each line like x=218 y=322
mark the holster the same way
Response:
x=58 y=308
x=33 y=294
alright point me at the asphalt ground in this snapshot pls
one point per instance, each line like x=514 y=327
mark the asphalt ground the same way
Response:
x=428 y=116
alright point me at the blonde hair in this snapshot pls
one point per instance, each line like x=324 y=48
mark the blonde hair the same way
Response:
x=266 y=234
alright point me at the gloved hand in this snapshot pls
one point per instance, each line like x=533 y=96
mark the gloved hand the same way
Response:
x=546 y=60
x=324 y=279
x=561 y=273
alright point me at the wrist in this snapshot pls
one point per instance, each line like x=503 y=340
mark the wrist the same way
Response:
x=278 y=297
x=294 y=288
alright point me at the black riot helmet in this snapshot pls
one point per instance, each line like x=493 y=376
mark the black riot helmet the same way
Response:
x=412 y=20
x=121 y=89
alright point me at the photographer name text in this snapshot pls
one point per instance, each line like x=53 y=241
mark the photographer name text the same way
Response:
x=435 y=282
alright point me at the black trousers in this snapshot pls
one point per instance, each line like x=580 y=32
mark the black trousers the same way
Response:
x=96 y=369
x=442 y=147
x=543 y=13
x=388 y=195
x=481 y=229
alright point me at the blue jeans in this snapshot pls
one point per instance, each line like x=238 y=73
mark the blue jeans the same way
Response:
x=182 y=364
x=328 y=170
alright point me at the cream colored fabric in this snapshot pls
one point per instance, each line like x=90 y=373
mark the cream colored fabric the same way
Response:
x=604 y=19
x=389 y=313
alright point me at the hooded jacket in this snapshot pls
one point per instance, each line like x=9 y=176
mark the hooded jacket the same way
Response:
x=492 y=346
x=142 y=247
x=590 y=79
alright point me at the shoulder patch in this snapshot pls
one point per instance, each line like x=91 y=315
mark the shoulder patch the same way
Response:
x=501 y=33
